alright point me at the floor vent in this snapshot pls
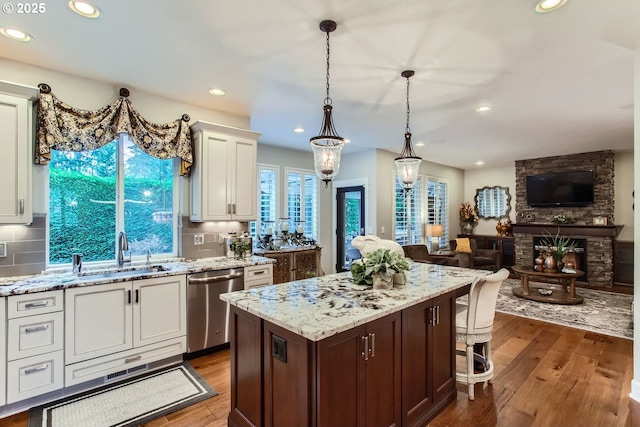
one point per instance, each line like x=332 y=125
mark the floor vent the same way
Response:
x=137 y=368
x=125 y=372
x=116 y=375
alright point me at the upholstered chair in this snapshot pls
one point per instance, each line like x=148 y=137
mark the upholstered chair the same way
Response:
x=419 y=253
x=481 y=259
x=474 y=325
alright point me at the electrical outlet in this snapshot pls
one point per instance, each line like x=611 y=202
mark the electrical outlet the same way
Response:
x=198 y=239
x=3 y=249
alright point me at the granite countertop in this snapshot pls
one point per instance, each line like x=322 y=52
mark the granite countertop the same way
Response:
x=53 y=280
x=323 y=306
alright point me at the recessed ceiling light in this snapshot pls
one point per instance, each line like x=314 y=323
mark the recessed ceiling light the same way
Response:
x=483 y=108
x=12 y=33
x=298 y=129
x=545 y=6
x=480 y=163
x=420 y=144
x=347 y=141
x=85 y=9
x=216 y=91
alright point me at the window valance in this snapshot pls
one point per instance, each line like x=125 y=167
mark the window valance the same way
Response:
x=62 y=127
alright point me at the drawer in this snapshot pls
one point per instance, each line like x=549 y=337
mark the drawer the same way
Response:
x=36 y=303
x=33 y=335
x=256 y=272
x=34 y=376
x=105 y=365
x=263 y=281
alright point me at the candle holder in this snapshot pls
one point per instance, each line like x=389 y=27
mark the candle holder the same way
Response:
x=268 y=228
x=284 y=226
x=299 y=229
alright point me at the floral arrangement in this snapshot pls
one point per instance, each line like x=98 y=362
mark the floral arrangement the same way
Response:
x=562 y=219
x=380 y=261
x=468 y=213
x=558 y=246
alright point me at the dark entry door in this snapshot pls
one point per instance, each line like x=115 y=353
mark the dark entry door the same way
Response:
x=350 y=224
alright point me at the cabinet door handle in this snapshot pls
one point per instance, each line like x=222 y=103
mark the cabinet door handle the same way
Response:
x=228 y=208
x=234 y=208
x=437 y=315
x=36 y=328
x=365 y=353
x=372 y=350
x=36 y=304
x=133 y=359
x=137 y=296
x=128 y=297
x=21 y=206
x=36 y=368
x=430 y=316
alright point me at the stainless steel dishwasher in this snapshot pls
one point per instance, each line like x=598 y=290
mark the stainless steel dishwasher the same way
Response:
x=207 y=315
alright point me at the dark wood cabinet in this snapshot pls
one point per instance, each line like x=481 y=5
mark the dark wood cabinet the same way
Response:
x=428 y=359
x=623 y=262
x=296 y=264
x=504 y=244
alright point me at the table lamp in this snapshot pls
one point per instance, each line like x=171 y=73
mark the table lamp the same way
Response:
x=434 y=232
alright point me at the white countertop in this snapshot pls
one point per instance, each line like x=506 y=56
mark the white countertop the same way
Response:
x=48 y=281
x=323 y=306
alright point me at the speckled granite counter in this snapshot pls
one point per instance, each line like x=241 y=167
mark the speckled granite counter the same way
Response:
x=51 y=280
x=320 y=307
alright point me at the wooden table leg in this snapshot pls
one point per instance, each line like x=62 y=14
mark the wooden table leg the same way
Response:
x=572 y=293
x=525 y=284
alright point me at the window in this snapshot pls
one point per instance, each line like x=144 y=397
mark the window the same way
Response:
x=267 y=198
x=437 y=207
x=302 y=200
x=93 y=195
x=408 y=213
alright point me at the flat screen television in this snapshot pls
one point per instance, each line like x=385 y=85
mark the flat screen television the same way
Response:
x=560 y=189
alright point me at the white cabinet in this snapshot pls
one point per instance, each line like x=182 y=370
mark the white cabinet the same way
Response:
x=112 y=327
x=258 y=275
x=35 y=336
x=224 y=175
x=16 y=141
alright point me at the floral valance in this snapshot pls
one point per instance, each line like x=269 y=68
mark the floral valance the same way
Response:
x=62 y=127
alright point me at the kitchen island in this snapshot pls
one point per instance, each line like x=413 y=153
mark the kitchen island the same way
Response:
x=327 y=352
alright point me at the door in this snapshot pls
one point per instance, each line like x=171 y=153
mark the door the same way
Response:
x=350 y=223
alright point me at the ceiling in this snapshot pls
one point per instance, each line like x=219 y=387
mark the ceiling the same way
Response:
x=558 y=83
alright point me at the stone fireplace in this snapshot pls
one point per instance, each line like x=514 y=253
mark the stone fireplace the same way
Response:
x=538 y=222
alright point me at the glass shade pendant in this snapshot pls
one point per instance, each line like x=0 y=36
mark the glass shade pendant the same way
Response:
x=327 y=146
x=408 y=163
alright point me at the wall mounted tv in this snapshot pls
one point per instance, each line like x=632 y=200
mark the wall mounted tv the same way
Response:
x=560 y=189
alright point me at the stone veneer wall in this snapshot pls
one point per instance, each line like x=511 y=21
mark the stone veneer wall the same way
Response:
x=599 y=249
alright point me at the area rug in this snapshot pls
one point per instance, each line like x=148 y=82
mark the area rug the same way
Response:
x=127 y=403
x=603 y=312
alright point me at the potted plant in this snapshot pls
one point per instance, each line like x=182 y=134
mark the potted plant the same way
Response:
x=556 y=247
x=468 y=216
x=378 y=269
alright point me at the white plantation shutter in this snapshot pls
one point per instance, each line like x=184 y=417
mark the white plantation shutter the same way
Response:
x=302 y=200
x=408 y=213
x=267 y=197
x=437 y=206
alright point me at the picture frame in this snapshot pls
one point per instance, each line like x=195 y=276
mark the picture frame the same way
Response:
x=600 y=220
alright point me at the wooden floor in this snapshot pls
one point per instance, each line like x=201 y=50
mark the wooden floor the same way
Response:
x=546 y=375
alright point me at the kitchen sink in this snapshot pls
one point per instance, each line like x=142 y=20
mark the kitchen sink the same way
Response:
x=119 y=273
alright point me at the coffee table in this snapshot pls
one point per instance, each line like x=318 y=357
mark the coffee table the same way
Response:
x=562 y=296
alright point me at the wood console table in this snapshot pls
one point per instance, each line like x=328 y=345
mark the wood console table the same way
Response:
x=532 y=292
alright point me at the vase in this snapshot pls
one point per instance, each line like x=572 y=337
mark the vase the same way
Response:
x=467 y=227
x=398 y=280
x=559 y=266
x=549 y=263
x=382 y=281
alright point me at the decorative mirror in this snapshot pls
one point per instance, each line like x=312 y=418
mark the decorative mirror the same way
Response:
x=493 y=202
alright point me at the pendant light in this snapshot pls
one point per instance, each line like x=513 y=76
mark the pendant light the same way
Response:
x=328 y=144
x=408 y=163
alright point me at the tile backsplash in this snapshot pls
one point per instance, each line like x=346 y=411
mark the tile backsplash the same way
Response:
x=26 y=247
x=211 y=231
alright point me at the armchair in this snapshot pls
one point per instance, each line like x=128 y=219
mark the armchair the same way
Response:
x=481 y=259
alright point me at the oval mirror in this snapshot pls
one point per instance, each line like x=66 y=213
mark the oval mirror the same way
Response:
x=493 y=202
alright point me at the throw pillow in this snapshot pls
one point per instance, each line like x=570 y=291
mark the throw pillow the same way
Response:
x=463 y=245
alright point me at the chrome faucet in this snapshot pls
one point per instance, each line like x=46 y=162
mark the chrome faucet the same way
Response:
x=123 y=245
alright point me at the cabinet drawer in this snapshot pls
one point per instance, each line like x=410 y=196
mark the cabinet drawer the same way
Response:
x=256 y=272
x=36 y=303
x=263 y=281
x=34 y=376
x=33 y=335
x=101 y=366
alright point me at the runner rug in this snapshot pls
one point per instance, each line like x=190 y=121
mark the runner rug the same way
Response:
x=127 y=403
x=603 y=312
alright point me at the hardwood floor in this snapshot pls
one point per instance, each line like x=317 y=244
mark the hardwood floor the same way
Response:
x=546 y=376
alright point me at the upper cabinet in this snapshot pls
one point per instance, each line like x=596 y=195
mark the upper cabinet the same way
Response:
x=223 y=178
x=16 y=142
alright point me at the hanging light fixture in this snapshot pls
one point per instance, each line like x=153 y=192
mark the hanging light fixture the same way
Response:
x=328 y=144
x=408 y=163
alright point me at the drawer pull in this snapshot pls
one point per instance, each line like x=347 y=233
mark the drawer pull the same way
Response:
x=259 y=272
x=133 y=359
x=37 y=328
x=36 y=304
x=36 y=369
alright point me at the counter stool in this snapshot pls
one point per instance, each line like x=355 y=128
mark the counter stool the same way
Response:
x=474 y=323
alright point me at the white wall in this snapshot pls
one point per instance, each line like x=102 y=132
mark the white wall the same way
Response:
x=635 y=383
x=623 y=201
x=475 y=179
